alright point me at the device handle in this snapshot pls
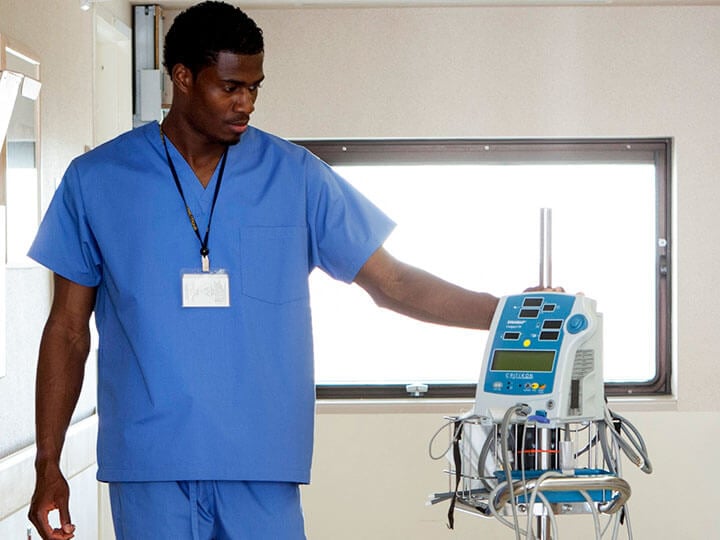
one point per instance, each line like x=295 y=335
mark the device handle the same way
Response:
x=545 y=248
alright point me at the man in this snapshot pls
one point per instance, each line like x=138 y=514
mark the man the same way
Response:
x=192 y=242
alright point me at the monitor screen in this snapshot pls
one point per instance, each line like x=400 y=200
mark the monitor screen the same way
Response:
x=514 y=360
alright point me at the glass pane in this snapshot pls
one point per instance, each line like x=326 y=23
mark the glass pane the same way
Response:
x=478 y=226
x=21 y=188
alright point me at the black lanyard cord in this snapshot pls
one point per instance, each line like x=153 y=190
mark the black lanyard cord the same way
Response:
x=204 y=251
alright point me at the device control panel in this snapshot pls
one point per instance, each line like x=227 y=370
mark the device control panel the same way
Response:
x=544 y=350
x=527 y=342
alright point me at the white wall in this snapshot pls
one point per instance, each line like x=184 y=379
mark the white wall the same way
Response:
x=60 y=35
x=66 y=121
x=452 y=72
x=515 y=72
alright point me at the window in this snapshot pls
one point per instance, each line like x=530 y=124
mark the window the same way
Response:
x=469 y=212
x=20 y=153
x=18 y=162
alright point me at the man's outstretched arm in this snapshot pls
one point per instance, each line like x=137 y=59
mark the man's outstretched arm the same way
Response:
x=416 y=293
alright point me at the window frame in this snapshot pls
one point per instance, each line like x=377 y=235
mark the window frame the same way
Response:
x=656 y=150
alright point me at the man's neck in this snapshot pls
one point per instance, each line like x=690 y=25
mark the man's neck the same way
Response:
x=201 y=154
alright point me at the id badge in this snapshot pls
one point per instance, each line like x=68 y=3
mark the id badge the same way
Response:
x=206 y=289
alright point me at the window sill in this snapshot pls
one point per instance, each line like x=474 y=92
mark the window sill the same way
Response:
x=393 y=406
x=457 y=406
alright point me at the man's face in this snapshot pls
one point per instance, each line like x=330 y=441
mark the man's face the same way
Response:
x=222 y=97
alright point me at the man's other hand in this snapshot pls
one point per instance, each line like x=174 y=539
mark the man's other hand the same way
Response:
x=51 y=493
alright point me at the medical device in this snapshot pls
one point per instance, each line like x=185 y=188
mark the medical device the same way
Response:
x=540 y=440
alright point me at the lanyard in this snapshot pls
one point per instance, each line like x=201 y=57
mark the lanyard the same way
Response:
x=204 y=251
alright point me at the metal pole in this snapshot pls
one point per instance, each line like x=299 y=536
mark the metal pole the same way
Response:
x=544 y=464
x=545 y=248
x=544 y=440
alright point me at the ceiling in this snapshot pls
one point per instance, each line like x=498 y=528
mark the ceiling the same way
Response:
x=179 y=4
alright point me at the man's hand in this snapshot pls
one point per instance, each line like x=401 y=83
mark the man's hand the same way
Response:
x=540 y=288
x=51 y=493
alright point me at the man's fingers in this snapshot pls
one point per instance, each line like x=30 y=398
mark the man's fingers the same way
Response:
x=66 y=532
x=41 y=522
x=67 y=529
x=65 y=521
x=51 y=495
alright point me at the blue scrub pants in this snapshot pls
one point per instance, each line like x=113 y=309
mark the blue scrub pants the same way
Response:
x=206 y=510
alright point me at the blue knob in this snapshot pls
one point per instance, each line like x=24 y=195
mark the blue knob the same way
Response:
x=576 y=324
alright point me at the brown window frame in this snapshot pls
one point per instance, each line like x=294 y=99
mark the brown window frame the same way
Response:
x=517 y=151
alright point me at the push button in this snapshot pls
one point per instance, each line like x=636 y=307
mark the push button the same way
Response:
x=577 y=323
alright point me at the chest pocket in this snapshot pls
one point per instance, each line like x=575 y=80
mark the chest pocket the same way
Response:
x=274 y=263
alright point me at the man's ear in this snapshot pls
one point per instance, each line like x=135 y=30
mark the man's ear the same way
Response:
x=182 y=78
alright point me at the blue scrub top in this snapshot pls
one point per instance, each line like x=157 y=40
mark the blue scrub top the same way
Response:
x=205 y=393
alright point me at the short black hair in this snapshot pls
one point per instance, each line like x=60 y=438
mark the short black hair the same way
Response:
x=202 y=31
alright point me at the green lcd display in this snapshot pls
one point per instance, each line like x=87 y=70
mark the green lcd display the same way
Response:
x=505 y=360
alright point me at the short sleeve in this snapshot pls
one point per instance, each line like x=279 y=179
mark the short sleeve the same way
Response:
x=64 y=242
x=345 y=227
